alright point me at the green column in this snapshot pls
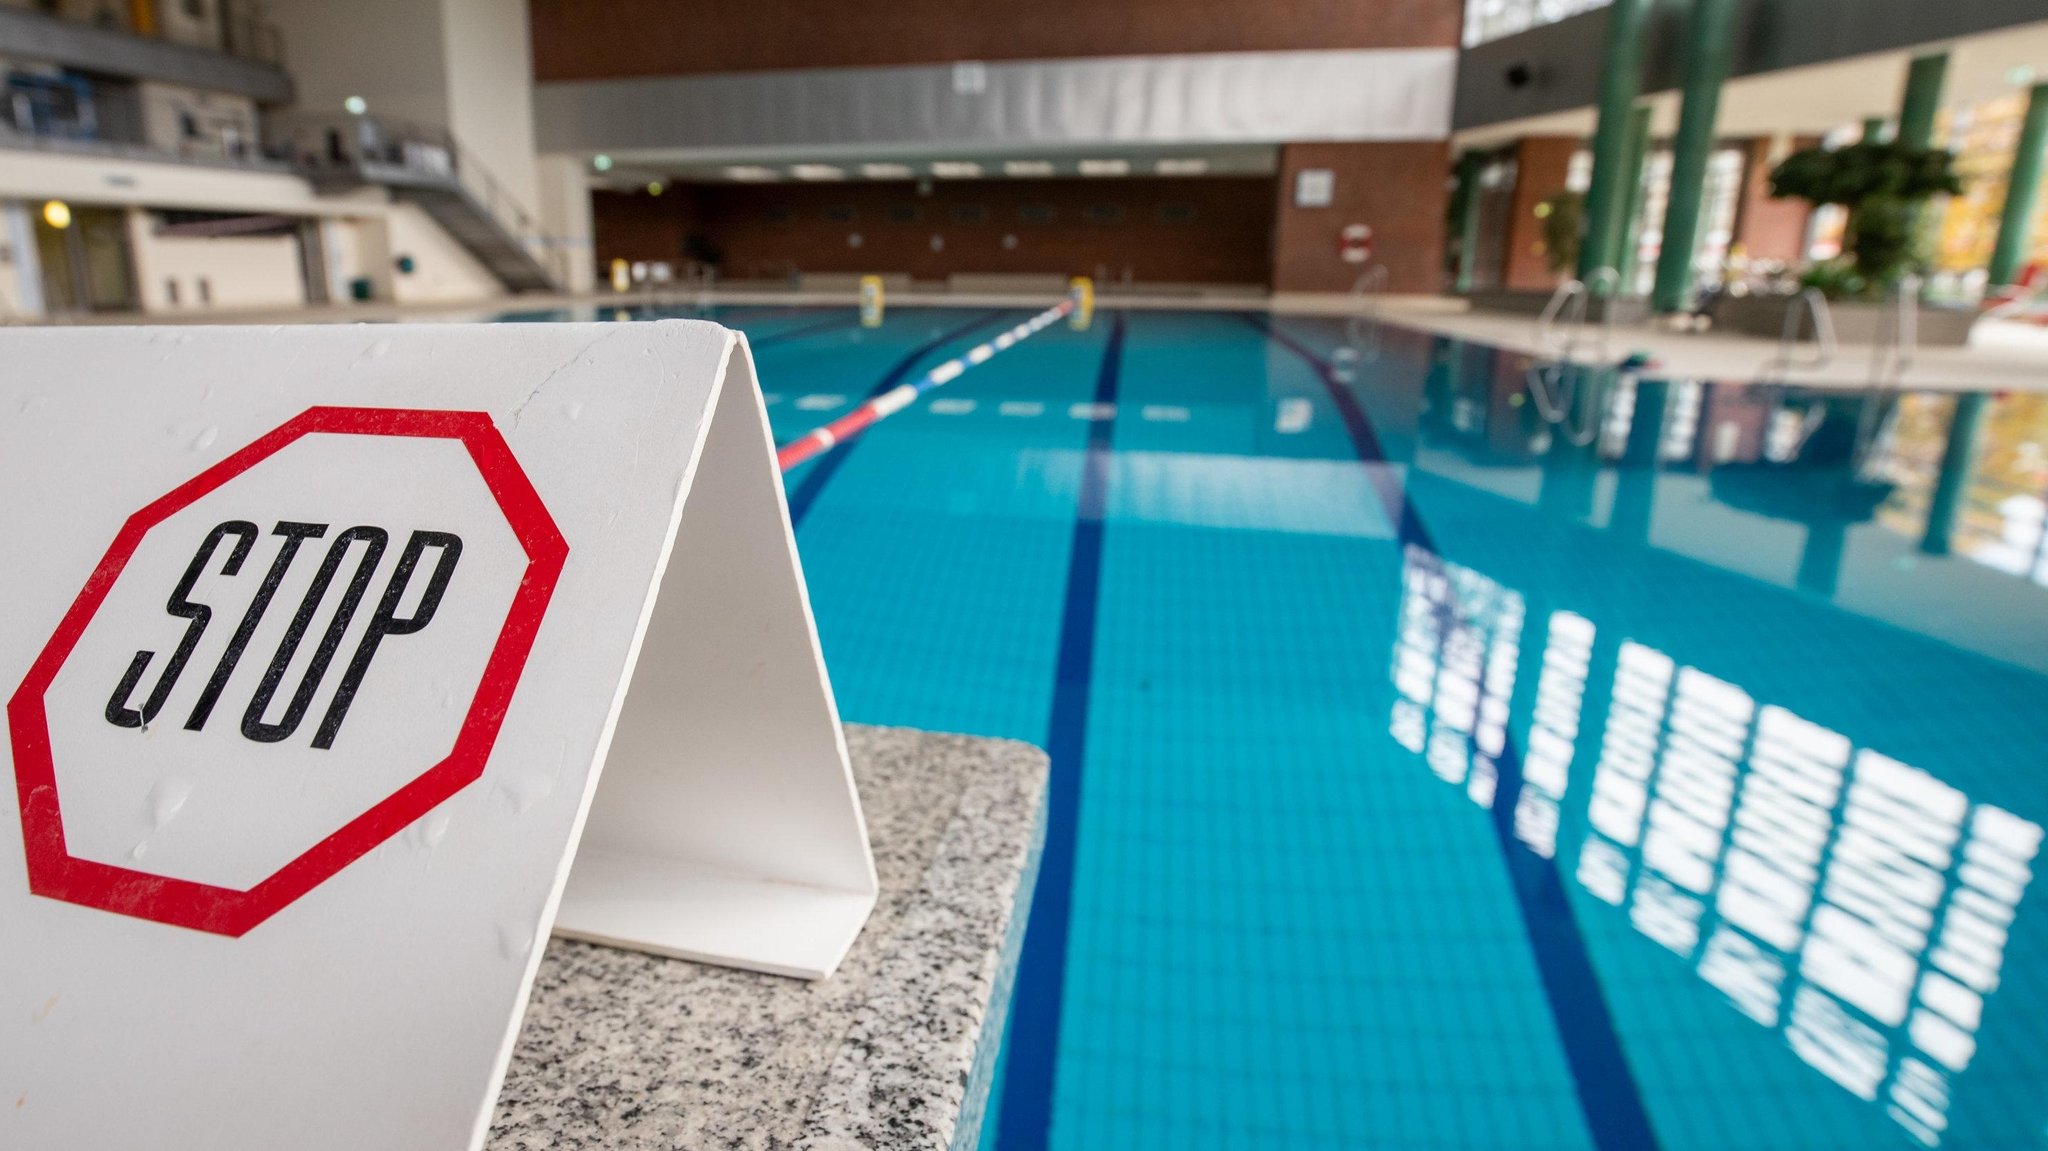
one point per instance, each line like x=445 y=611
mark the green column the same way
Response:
x=1622 y=248
x=1621 y=81
x=1710 y=42
x=1958 y=465
x=1923 y=99
x=1873 y=129
x=2022 y=194
x=1466 y=212
x=1924 y=79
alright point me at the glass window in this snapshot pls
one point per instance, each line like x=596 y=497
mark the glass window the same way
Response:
x=1492 y=19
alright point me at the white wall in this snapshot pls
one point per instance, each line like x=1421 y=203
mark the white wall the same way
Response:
x=389 y=52
x=565 y=222
x=442 y=269
x=39 y=176
x=357 y=248
x=489 y=60
x=20 y=280
x=238 y=271
x=463 y=65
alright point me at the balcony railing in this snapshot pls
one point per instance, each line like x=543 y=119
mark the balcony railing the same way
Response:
x=251 y=159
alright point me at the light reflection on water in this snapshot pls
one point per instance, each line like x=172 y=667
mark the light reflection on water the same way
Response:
x=1854 y=904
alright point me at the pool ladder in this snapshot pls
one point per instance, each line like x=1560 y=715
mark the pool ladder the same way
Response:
x=1555 y=376
x=1363 y=329
x=1807 y=305
x=1892 y=354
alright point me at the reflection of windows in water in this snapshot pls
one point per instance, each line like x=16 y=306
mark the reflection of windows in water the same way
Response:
x=1682 y=425
x=1853 y=903
x=1455 y=663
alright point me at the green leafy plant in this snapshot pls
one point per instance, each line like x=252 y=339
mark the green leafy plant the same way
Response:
x=1564 y=218
x=1883 y=185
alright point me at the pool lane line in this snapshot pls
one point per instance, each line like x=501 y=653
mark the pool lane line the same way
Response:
x=803 y=331
x=882 y=404
x=805 y=494
x=1609 y=1097
x=1025 y=1122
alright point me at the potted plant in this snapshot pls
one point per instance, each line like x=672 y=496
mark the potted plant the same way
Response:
x=1884 y=187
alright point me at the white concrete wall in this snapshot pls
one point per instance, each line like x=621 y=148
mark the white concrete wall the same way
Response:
x=230 y=271
x=357 y=248
x=565 y=222
x=39 y=176
x=21 y=291
x=463 y=65
x=489 y=61
x=390 y=52
x=442 y=269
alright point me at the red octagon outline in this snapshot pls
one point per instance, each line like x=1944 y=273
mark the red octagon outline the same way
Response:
x=55 y=873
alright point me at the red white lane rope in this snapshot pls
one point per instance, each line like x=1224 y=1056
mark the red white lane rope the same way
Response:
x=899 y=397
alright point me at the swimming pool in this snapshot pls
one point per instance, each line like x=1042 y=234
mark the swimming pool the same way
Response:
x=1427 y=775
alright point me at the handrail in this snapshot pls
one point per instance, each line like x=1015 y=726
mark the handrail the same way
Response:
x=254 y=160
x=1364 y=327
x=1898 y=335
x=1553 y=378
x=411 y=147
x=1605 y=283
x=1568 y=294
x=1807 y=303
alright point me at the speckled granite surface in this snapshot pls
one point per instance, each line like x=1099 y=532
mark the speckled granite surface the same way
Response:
x=624 y=1051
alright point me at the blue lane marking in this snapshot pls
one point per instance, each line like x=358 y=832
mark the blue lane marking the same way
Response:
x=1607 y=1090
x=831 y=323
x=823 y=468
x=1034 y=1039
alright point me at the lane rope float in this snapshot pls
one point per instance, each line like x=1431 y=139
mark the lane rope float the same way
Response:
x=901 y=396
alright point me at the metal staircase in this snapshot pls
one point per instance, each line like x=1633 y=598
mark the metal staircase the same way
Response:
x=425 y=166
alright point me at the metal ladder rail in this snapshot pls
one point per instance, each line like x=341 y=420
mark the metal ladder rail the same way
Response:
x=1809 y=303
x=1364 y=327
x=1554 y=387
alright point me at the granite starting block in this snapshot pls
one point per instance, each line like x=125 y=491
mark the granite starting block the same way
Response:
x=621 y=1050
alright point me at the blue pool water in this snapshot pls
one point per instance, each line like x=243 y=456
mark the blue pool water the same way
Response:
x=1424 y=778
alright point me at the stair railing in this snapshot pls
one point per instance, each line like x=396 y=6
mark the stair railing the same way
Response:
x=1555 y=376
x=1898 y=335
x=320 y=143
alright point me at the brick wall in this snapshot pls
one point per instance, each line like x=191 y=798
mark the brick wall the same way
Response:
x=1199 y=230
x=1399 y=189
x=1541 y=165
x=1770 y=229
